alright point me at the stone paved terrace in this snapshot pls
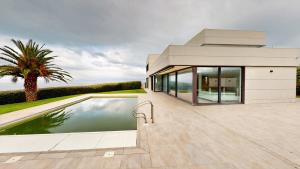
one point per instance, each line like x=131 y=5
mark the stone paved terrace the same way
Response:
x=261 y=136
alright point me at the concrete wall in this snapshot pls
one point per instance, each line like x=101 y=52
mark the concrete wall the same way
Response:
x=228 y=37
x=161 y=62
x=224 y=56
x=262 y=86
x=149 y=83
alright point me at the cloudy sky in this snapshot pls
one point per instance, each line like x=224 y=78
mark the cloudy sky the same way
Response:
x=108 y=40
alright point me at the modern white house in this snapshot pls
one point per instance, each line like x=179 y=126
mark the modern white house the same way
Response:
x=225 y=66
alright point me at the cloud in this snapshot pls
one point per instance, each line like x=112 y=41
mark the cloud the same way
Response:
x=86 y=67
x=109 y=40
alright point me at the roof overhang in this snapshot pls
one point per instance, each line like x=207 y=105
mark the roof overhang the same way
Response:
x=181 y=55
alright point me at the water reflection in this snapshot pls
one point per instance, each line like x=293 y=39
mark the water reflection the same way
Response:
x=99 y=114
x=40 y=125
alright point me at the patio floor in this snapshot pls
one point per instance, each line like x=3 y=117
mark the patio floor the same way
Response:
x=193 y=137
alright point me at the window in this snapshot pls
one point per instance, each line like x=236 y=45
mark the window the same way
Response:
x=158 y=83
x=219 y=84
x=207 y=84
x=165 y=83
x=172 y=84
x=185 y=84
x=230 y=84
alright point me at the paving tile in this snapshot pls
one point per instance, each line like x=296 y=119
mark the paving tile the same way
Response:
x=29 y=156
x=4 y=158
x=17 y=165
x=91 y=163
x=38 y=164
x=81 y=154
x=114 y=162
x=134 y=151
x=51 y=155
x=117 y=151
x=67 y=163
x=133 y=161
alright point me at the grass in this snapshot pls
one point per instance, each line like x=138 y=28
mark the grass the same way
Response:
x=6 y=108
x=125 y=91
x=23 y=105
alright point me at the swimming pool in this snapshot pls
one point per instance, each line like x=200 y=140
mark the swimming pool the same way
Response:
x=92 y=115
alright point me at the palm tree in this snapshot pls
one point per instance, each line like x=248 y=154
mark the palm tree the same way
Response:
x=30 y=62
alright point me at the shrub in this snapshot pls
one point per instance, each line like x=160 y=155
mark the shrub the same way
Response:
x=16 y=96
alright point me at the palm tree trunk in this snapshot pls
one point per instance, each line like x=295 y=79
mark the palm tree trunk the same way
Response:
x=30 y=86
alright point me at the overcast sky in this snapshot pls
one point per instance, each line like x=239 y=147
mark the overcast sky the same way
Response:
x=108 y=40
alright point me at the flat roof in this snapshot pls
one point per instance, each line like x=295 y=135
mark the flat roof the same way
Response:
x=228 y=37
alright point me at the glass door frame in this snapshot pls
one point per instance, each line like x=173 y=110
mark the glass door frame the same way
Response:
x=196 y=81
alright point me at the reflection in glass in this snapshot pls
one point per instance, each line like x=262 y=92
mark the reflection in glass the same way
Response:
x=158 y=83
x=230 y=84
x=172 y=83
x=165 y=83
x=207 y=84
x=185 y=84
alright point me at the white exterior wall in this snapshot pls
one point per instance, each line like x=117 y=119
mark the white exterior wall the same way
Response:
x=224 y=56
x=262 y=86
x=149 y=83
x=228 y=37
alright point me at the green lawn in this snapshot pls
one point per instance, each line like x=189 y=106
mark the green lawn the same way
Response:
x=18 y=106
x=125 y=91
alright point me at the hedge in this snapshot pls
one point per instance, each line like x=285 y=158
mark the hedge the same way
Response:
x=16 y=96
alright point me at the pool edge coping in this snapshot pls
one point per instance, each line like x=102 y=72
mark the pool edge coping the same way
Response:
x=65 y=136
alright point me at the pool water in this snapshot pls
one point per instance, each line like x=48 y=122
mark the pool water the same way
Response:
x=96 y=114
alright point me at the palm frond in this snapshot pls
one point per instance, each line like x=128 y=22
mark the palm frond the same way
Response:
x=32 y=59
x=9 y=60
x=9 y=70
x=7 y=52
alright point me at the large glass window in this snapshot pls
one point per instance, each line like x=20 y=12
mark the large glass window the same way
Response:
x=211 y=90
x=165 y=83
x=207 y=84
x=158 y=83
x=172 y=83
x=185 y=84
x=230 y=84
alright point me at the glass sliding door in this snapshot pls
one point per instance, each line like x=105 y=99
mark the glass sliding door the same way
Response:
x=210 y=85
x=230 y=84
x=165 y=83
x=158 y=83
x=172 y=84
x=207 y=84
x=185 y=84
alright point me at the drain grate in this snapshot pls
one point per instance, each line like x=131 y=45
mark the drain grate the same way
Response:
x=14 y=159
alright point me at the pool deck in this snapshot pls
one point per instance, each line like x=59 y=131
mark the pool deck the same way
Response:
x=256 y=136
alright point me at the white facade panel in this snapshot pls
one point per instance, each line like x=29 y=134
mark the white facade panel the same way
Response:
x=270 y=84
